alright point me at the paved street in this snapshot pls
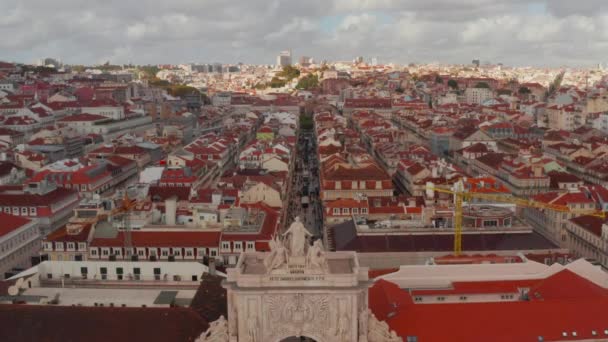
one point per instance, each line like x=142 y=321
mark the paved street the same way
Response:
x=305 y=185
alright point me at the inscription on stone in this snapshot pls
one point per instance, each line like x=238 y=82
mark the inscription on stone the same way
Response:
x=296 y=278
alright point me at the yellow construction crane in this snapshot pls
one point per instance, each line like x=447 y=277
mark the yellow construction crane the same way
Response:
x=125 y=210
x=461 y=195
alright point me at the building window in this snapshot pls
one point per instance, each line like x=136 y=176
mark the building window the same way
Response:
x=94 y=252
x=250 y=245
x=24 y=211
x=225 y=245
x=165 y=253
x=363 y=210
x=213 y=253
x=490 y=223
x=355 y=211
x=71 y=245
x=345 y=211
x=188 y=252
x=336 y=211
x=33 y=211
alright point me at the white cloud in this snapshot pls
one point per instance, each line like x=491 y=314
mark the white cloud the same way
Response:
x=152 y=31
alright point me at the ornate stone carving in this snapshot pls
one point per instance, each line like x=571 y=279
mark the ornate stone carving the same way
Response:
x=297 y=238
x=232 y=316
x=363 y=318
x=277 y=258
x=252 y=329
x=315 y=260
x=379 y=331
x=297 y=313
x=217 y=331
x=342 y=328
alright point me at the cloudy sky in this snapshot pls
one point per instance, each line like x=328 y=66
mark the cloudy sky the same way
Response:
x=515 y=32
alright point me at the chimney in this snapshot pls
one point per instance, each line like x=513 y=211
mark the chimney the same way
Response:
x=430 y=192
x=434 y=172
x=170 y=210
x=605 y=232
x=538 y=170
x=216 y=198
x=212 y=266
x=412 y=202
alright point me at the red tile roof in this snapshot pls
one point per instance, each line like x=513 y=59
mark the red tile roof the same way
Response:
x=83 y=117
x=96 y=324
x=166 y=238
x=61 y=234
x=13 y=196
x=565 y=302
x=11 y=223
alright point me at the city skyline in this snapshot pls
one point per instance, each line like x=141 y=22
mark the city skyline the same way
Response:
x=517 y=33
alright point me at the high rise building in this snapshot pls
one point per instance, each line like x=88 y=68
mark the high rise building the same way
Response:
x=305 y=60
x=284 y=58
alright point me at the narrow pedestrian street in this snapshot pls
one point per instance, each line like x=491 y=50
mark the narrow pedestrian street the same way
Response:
x=304 y=194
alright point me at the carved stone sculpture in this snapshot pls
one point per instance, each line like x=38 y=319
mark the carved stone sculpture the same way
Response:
x=379 y=331
x=217 y=331
x=297 y=239
x=316 y=256
x=277 y=256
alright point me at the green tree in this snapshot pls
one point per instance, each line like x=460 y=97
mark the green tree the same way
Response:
x=399 y=90
x=149 y=71
x=453 y=84
x=524 y=91
x=181 y=90
x=288 y=73
x=310 y=81
x=276 y=82
x=78 y=68
x=157 y=82
x=438 y=79
x=306 y=122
